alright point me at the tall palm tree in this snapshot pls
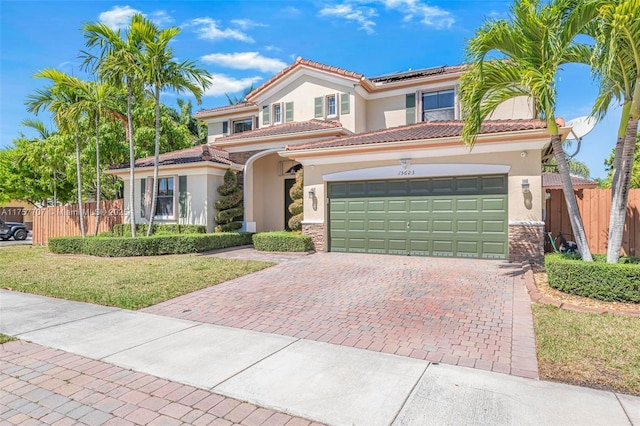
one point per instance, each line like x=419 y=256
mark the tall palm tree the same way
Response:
x=160 y=71
x=617 y=64
x=59 y=99
x=531 y=46
x=118 y=63
x=95 y=100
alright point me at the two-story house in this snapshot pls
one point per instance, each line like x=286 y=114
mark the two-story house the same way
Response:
x=385 y=169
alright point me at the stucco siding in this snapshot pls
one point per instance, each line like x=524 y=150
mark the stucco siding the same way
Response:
x=386 y=112
x=520 y=107
x=268 y=194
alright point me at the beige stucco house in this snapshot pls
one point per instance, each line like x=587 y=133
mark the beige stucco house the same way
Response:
x=385 y=169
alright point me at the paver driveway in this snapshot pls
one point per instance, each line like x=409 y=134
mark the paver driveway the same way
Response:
x=467 y=312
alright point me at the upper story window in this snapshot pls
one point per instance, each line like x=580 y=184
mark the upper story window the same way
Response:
x=438 y=105
x=331 y=106
x=243 y=125
x=277 y=113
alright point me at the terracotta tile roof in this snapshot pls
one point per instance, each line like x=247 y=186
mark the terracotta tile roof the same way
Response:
x=554 y=181
x=306 y=63
x=225 y=108
x=426 y=130
x=189 y=155
x=283 y=129
x=410 y=75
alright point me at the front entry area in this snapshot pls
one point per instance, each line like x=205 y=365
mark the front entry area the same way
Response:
x=462 y=216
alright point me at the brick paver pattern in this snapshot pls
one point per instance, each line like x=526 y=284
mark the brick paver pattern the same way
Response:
x=467 y=312
x=40 y=385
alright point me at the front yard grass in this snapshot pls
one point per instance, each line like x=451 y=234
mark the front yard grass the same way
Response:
x=129 y=283
x=4 y=338
x=596 y=350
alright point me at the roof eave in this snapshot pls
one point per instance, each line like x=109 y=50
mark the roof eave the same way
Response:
x=336 y=131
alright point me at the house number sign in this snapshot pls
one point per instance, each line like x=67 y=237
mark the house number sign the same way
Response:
x=406 y=172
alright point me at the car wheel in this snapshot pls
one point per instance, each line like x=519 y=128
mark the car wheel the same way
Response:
x=20 y=234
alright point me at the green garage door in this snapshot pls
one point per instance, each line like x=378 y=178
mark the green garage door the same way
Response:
x=452 y=216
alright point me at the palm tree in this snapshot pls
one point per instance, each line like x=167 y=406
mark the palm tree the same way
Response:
x=160 y=71
x=59 y=99
x=241 y=99
x=617 y=64
x=532 y=46
x=119 y=64
x=96 y=100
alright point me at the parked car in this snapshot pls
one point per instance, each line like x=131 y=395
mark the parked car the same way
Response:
x=13 y=229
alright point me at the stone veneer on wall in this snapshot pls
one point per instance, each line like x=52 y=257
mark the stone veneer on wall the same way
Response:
x=316 y=232
x=242 y=157
x=526 y=242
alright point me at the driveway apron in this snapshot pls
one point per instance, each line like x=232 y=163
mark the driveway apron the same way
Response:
x=467 y=312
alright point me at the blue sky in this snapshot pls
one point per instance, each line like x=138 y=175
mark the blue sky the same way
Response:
x=245 y=42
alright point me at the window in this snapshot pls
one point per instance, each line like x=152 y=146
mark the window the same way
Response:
x=164 y=201
x=438 y=105
x=277 y=113
x=331 y=106
x=240 y=126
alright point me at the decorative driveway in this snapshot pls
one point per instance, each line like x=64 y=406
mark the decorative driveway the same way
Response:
x=467 y=312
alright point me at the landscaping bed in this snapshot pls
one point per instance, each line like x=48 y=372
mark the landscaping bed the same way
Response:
x=129 y=283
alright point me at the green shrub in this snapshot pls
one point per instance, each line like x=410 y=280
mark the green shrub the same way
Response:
x=598 y=280
x=297 y=205
x=147 y=246
x=229 y=205
x=106 y=234
x=124 y=229
x=281 y=241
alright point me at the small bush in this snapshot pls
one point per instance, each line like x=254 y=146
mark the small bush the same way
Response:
x=147 y=246
x=281 y=241
x=106 y=234
x=124 y=229
x=598 y=280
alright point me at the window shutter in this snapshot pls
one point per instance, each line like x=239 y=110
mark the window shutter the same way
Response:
x=288 y=111
x=148 y=193
x=143 y=196
x=257 y=126
x=225 y=128
x=345 y=103
x=182 y=198
x=318 y=107
x=410 y=104
x=266 y=115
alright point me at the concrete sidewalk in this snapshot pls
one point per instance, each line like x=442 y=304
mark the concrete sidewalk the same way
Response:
x=327 y=383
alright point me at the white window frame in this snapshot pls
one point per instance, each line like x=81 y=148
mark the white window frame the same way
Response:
x=444 y=89
x=174 y=196
x=277 y=106
x=335 y=105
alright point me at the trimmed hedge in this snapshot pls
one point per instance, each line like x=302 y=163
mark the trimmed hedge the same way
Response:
x=124 y=229
x=597 y=280
x=281 y=241
x=147 y=246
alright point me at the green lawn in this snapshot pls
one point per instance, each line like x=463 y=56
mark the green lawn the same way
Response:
x=596 y=350
x=129 y=283
x=4 y=338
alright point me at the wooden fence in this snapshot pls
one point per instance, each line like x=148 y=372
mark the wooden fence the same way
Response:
x=63 y=221
x=595 y=205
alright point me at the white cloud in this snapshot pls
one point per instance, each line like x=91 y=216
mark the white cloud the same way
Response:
x=244 y=61
x=118 y=17
x=271 y=48
x=359 y=14
x=247 y=23
x=222 y=84
x=431 y=16
x=161 y=18
x=291 y=11
x=208 y=29
x=363 y=12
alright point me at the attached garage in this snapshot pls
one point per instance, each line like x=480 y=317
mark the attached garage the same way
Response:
x=458 y=216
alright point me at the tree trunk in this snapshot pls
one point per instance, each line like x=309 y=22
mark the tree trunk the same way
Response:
x=132 y=162
x=570 y=198
x=78 y=171
x=617 y=159
x=98 y=213
x=156 y=160
x=620 y=192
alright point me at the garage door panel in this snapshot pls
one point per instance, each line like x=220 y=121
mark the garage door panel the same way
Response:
x=462 y=217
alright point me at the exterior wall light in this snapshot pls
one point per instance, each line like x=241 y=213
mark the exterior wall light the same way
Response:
x=405 y=163
x=525 y=186
x=312 y=193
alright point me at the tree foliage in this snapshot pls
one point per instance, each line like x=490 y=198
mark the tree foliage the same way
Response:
x=229 y=205
x=296 y=207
